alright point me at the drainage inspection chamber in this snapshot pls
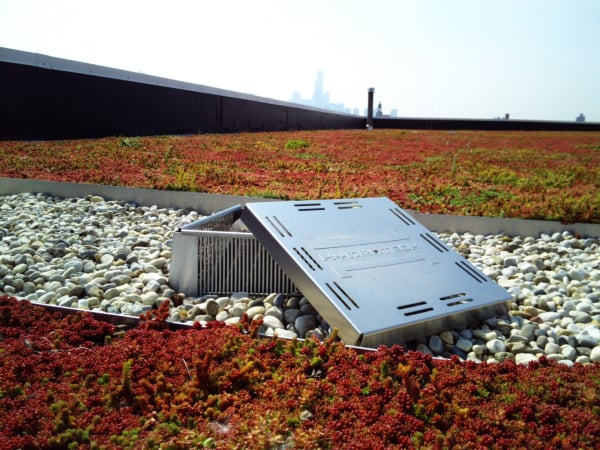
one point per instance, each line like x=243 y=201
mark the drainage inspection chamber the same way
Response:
x=367 y=266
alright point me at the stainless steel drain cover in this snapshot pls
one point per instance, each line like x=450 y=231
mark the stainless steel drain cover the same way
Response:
x=371 y=270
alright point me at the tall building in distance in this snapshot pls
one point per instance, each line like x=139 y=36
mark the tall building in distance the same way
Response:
x=320 y=98
x=379 y=112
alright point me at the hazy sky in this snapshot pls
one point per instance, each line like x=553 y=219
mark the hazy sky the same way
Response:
x=534 y=59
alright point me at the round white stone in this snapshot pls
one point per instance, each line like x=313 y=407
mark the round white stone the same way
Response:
x=595 y=354
x=254 y=311
x=272 y=322
x=524 y=358
x=238 y=310
x=496 y=346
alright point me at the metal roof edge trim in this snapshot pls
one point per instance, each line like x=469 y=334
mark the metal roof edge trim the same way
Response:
x=497 y=225
x=120 y=319
x=210 y=203
x=201 y=202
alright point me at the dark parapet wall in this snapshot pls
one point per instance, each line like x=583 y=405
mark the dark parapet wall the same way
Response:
x=42 y=97
x=52 y=98
x=481 y=124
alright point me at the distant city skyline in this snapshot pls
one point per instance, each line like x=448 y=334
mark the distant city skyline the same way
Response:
x=321 y=99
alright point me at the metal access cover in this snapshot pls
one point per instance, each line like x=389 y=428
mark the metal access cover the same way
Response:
x=371 y=270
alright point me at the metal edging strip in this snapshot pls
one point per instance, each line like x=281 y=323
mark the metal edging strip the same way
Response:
x=210 y=203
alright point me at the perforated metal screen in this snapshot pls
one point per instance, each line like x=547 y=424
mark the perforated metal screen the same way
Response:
x=218 y=255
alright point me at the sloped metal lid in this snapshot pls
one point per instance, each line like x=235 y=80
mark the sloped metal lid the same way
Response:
x=371 y=270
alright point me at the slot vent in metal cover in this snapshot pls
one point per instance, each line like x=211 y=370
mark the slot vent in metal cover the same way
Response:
x=434 y=242
x=309 y=207
x=410 y=311
x=464 y=301
x=450 y=297
x=418 y=311
x=279 y=227
x=348 y=205
x=304 y=254
x=404 y=217
x=341 y=295
x=457 y=299
x=471 y=271
x=412 y=305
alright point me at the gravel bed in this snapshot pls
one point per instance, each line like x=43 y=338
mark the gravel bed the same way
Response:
x=112 y=256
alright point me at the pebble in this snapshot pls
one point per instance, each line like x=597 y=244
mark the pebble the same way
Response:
x=303 y=324
x=284 y=334
x=238 y=310
x=588 y=337
x=234 y=320
x=424 y=349
x=595 y=354
x=568 y=352
x=518 y=347
x=221 y=316
x=485 y=335
x=95 y=254
x=290 y=315
x=549 y=316
x=496 y=346
x=275 y=312
x=436 y=344
x=212 y=309
x=525 y=358
x=580 y=316
x=149 y=298
x=447 y=337
x=528 y=331
x=278 y=300
x=255 y=311
x=551 y=348
x=464 y=344
x=272 y=322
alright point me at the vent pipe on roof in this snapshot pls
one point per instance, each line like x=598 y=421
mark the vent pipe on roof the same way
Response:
x=370 y=109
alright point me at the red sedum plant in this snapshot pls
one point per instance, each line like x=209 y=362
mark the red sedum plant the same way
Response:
x=535 y=175
x=66 y=382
